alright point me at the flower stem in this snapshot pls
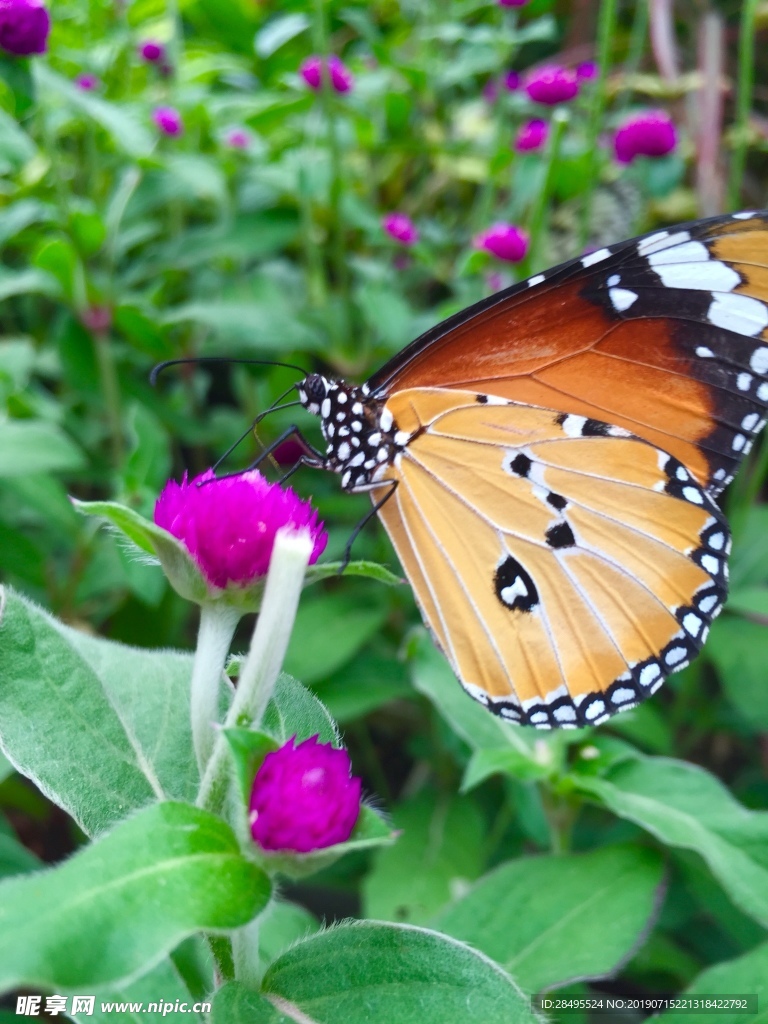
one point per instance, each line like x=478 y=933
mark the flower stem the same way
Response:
x=745 y=87
x=606 y=33
x=540 y=211
x=217 y=626
x=245 y=953
x=290 y=557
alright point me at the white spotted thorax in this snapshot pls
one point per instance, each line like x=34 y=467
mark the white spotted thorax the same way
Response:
x=361 y=436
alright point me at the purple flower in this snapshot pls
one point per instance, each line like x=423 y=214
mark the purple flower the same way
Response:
x=400 y=227
x=304 y=798
x=168 y=120
x=152 y=52
x=312 y=73
x=531 y=135
x=651 y=133
x=551 y=84
x=229 y=525
x=512 y=3
x=512 y=81
x=586 y=71
x=238 y=138
x=24 y=27
x=87 y=82
x=504 y=241
x=491 y=91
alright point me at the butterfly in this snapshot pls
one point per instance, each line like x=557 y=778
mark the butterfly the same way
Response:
x=547 y=464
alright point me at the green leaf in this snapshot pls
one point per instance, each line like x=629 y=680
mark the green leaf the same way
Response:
x=102 y=729
x=505 y=761
x=248 y=748
x=739 y=650
x=295 y=711
x=746 y=975
x=685 y=806
x=17 y=216
x=114 y=909
x=122 y=124
x=330 y=629
x=550 y=920
x=439 y=851
x=178 y=565
x=35 y=446
x=15 y=859
x=433 y=677
x=162 y=984
x=278 y=32
x=31 y=281
x=257 y=325
x=368 y=570
x=282 y=925
x=375 y=973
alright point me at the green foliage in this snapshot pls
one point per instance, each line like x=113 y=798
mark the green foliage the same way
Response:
x=506 y=862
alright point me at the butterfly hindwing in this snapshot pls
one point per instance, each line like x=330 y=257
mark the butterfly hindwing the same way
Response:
x=564 y=566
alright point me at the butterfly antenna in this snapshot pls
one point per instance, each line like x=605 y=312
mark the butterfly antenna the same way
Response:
x=157 y=370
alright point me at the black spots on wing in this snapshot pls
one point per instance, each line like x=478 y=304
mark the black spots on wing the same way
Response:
x=560 y=535
x=557 y=501
x=521 y=465
x=514 y=587
x=595 y=428
x=481 y=399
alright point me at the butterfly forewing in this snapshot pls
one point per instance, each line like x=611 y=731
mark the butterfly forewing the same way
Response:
x=564 y=566
x=665 y=335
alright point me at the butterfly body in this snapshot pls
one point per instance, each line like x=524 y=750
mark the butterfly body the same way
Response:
x=550 y=460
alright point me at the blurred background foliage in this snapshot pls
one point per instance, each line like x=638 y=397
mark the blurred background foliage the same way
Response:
x=123 y=246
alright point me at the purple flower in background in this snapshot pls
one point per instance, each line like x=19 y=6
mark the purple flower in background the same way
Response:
x=552 y=84
x=229 y=525
x=24 y=27
x=504 y=241
x=586 y=71
x=152 y=52
x=651 y=133
x=168 y=120
x=531 y=136
x=312 y=72
x=491 y=91
x=238 y=138
x=400 y=227
x=304 y=798
x=512 y=3
x=512 y=81
x=87 y=82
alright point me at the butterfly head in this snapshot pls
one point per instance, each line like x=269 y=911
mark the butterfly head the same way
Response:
x=361 y=437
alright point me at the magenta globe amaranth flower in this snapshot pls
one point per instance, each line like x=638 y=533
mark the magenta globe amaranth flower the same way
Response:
x=552 y=84
x=237 y=138
x=87 y=82
x=586 y=71
x=229 y=525
x=304 y=798
x=651 y=133
x=152 y=52
x=24 y=27
x=531 y=136
x=400 y=227
x=504 y=241
x=168 y=120
x=512 y=3
x=512 y=81
x=340 y=76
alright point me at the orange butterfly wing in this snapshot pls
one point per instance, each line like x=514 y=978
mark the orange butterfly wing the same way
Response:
x=563 y=566
x=665 y=335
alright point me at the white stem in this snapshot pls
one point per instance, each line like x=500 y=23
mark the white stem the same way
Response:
x=245 y=953
x=290 y=557
x=217 y=626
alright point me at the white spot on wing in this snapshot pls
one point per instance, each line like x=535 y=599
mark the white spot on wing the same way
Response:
x=595 y=257
x=536 y=279
x=741 y=314
x=743 y=381
x=685 y=252
x=745 y=215
x=738 y=442
x=762 y=392
x=693 y=495
x=759 y=358
x=712 y=276
x=661 y=240
x=622 y=298
x=705 y=353
x=573 y=425
x=386 y=420
x=750 y=421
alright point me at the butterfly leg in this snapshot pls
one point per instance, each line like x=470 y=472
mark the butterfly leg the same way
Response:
x=392 y=485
